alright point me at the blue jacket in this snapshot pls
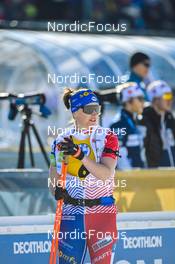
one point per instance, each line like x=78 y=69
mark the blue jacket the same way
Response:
x=135 y=78
x=131 y=140
x=140 y=81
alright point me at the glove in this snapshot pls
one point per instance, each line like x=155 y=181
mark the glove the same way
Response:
x=69 y=148
x=60 y=193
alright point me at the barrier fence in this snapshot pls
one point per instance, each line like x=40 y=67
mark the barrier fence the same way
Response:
x=145 y=190
x=143 y=238
x=25 y=192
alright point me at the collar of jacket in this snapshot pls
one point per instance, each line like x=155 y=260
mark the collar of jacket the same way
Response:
x=155 y=118
x=129 y=114
x=135 y=78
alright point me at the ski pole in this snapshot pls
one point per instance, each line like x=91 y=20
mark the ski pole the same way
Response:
x=58 y=214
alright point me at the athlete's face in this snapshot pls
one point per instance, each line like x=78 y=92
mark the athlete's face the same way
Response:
x=84 y=120
x=137 y=105
x=164 y=105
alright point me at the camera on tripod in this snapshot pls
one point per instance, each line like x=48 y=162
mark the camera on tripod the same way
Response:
x=21 y=103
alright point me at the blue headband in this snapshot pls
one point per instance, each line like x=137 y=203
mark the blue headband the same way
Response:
x=82 y=98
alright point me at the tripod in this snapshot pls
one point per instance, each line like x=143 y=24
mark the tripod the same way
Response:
x=27 y=124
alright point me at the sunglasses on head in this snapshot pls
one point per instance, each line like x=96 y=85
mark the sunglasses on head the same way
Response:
x=90 y=109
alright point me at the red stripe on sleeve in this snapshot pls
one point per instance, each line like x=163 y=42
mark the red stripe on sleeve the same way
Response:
x=111 y=143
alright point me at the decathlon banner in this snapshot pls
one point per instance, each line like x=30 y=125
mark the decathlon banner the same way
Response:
x=146 y=246
x=31 y=243
x=151 y=246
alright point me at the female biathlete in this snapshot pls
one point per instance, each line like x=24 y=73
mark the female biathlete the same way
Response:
x=89 y=210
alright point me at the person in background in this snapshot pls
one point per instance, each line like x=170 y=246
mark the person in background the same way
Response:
x=160 y=126
x=130 y=137
x=139 y=67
